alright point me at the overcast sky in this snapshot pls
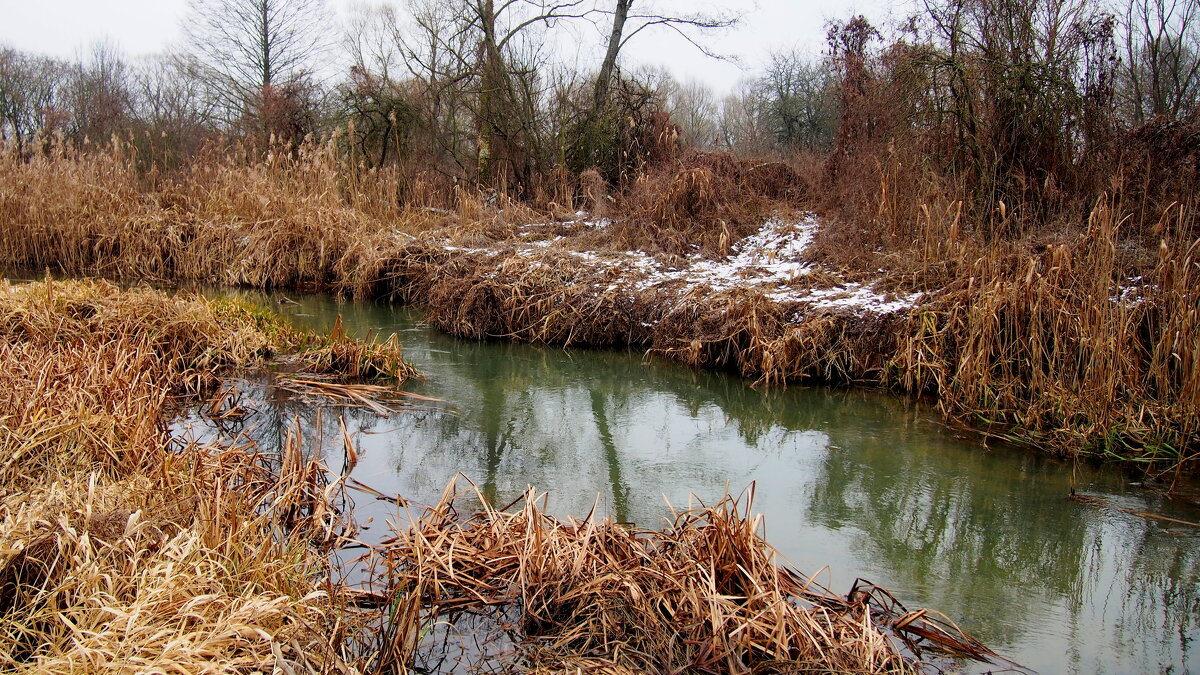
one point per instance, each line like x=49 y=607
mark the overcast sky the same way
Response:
x=65 y=28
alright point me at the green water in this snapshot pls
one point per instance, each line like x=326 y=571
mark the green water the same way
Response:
x=851 y=484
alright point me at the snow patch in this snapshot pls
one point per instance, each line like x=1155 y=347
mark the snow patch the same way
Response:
x=770 y=261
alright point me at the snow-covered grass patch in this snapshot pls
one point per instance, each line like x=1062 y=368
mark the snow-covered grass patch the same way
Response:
x=771 y=261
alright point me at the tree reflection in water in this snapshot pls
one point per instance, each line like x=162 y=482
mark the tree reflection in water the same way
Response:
x=867 y=484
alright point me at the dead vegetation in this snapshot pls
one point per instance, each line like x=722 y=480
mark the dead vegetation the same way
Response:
x=124 y=548
x=121 y=548
x=701 y=202
x=704 y=595
x=1073 y=337
x=1065 y=347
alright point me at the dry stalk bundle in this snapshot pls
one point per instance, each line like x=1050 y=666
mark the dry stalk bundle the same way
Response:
x=366 y=358
x=705 y=200
x=705 y=595
x=382 y=401
x=123 y=548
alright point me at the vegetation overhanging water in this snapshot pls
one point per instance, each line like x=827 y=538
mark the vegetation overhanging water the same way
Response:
x=858 y=483
x=1015 y=183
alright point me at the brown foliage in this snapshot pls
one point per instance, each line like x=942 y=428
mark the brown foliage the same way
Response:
x=704 y=595
x=703 y=201
x=1160 y=167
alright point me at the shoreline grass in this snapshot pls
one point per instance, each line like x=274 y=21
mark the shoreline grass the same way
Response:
x=1081 y=344
x=123 y=548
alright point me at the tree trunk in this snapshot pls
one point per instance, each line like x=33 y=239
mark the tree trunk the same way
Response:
x=610 y=57
x=264 y=37
x=490 y=90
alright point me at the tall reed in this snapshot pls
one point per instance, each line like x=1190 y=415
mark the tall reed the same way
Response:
x=124 y=548
x=1072 y=336
x=1061 y=347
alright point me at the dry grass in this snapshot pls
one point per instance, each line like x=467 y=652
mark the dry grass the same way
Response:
x=548 y=296
x=283 y=220
x=1068 y=326
x=1018 y=334
x=702 y=202
x=121 y=549
x=1063 y=347
x=705 y=595
x=355 y=358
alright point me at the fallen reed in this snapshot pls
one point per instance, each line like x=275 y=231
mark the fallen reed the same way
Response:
x=122 y=548
x=704 y=595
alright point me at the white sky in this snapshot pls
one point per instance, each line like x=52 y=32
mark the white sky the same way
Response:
x=65 y=28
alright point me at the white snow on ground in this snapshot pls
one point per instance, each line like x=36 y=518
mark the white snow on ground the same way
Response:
x=771 y=261
x=1133 y=294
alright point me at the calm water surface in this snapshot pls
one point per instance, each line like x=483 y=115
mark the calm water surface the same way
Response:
x=852 y=484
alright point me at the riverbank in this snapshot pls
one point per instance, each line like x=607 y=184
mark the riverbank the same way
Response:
x=1085 y=342
x=122 y=546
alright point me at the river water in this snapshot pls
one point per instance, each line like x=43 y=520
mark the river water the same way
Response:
x=851 y=484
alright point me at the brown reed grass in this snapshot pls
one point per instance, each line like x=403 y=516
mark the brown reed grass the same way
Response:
x=701 y=202
x=282 y=220
x=1060 y=346
x=704 y=595
x=1020 y=335
x=123 y=549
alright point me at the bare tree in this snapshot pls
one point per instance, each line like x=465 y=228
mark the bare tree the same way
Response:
x=256 y=55
x=99 y=95
x=798 y=102
x=424 y=55
x=171 y=107
x=693 y=107
x=1161 y=69
x=742 y=126
x=628 y=23
x=31 y=87
x=167 y=99
x=507 y=65
x=1021 y=92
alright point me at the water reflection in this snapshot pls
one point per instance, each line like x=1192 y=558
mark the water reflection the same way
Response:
x=865 y=484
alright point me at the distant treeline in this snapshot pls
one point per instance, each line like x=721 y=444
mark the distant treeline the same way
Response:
x=1027 y=106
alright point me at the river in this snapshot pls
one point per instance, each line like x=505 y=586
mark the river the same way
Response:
x=851 y=483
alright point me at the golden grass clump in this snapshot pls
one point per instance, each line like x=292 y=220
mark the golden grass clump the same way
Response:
x=366 y=358
x=143 y=573
x=1061 y=347
x=122 y=548
x=546 y=296
x=705 y=595
x=282 y=220
x=188 y=339
x=704 y=202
